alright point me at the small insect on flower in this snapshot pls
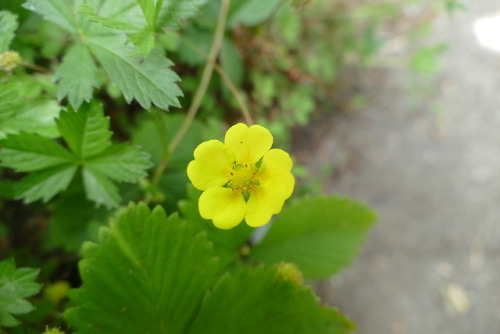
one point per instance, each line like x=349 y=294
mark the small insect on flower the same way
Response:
x=242 y=178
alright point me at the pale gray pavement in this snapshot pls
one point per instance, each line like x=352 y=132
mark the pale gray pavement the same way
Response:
x=435 y=181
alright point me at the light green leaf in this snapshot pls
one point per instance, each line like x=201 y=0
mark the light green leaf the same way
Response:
x=320 y=235
x=31 y=152
x=77 y=76
x=46 y=184
x=8 y=26
x=100 y=189
x=149 y=79
x=144 y=40
x=260 y=300
x=173 y=11
x=122 y=162
x=86 y=130
x=87 y=11
x=59 y=12
x=19 y=112
x=149 y=271
x=149 y=9
x=251 y=12
x=15 y=286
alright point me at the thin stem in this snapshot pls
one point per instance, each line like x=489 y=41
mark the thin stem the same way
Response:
x=162 y=129
x=227 y=80
x=200 y=92
x=236 y=94
x=36 y=67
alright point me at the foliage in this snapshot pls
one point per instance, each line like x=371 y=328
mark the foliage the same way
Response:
x=85 y=87
x=15 y=286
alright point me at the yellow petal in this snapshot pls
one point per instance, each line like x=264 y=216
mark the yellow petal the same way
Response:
x=224 y=206
x=264 y=202
x=211 y=166
x=248 y=144
x=276 y=167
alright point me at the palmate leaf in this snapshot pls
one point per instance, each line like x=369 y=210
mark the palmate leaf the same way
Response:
x=140 y=72
x=259 y=300
x=77 y=76
x=320 y=235
x=86 y=132
x=153 y=274
x=8 y=26
x=147 y=274
x=15 y=286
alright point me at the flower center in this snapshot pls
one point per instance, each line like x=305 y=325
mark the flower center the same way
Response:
x=243 y=179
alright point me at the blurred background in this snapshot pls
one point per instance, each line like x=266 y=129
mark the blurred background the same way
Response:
x=423 y=148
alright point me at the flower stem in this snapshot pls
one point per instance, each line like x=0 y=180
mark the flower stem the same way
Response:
x=200 y=92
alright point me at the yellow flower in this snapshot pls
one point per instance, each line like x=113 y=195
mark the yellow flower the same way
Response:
x=242 y=178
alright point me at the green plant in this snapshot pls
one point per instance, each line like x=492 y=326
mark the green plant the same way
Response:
x=84 y=90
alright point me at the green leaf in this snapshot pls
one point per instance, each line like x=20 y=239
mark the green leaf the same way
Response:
x=15 y=286
x=251 y=12
x=260 y=300
x=122 y=163
x=87 y=11
x=228 y=244
x=149 y=271
x=59 y=12
x=31 y=152
x=46 y=184
x=100 y=189
x=231 y=61
x=173 y=11
x=20 y=111
x=8 y=26
x=86 y=130
x=77 y=76
x=320 y=235
x=149 y=80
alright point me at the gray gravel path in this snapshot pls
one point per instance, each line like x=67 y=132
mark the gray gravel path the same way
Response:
x=432 y=263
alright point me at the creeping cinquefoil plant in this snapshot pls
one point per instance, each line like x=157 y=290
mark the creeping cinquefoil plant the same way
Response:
x=242 y=177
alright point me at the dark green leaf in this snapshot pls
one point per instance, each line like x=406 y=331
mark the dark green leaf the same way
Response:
x=15 y=286
x=122 y=163
x=260 y=300
x=320 y=235
x=149 y=271
x=46 y=184
x=31 y=152
x=100 y=189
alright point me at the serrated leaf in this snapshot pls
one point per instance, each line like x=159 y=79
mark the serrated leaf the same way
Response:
x=122 y=163
x=31 y=152
x=46 y=184
x=86 y=130
x=59 y=12
x=258 y=300
x=77 y=76
x=8 y=26
x=15 y=286
x=319 y=235
x=173 y=11
x=100 y=189
x=149 y=271
x=149 y=80
x=21 y=112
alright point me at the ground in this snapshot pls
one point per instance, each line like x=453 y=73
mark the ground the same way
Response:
x=431 y=168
